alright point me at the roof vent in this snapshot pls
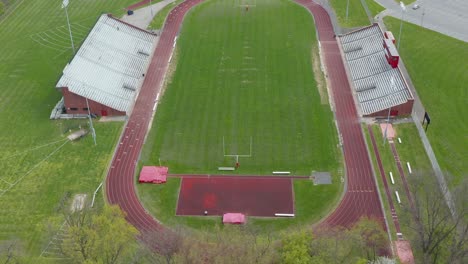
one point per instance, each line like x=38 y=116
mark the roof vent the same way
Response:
x=143 y=52
x=128 y=87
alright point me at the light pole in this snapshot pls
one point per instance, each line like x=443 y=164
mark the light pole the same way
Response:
x=151 y=8
x=403 y=9
x=422 y=17
x=65 y=5
x=392 y=82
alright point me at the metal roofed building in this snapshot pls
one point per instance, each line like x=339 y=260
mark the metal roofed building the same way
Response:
x=108 y=69
x=377 y=86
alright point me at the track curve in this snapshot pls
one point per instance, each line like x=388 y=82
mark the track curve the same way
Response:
x=120 y=182
x=361 y=197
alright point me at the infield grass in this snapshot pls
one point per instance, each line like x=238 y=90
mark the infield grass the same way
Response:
x=437 y=66
x=34 y=48
x=243 y=75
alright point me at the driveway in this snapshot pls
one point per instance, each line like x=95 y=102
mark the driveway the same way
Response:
x=448 y=17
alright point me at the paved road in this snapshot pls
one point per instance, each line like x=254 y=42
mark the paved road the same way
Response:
x=449 y=17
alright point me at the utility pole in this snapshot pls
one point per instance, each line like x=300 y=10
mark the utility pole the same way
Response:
x=392 y=82
x=65 y=5
x=403 y=9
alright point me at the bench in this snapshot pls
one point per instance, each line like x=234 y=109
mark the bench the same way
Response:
x=226 y=168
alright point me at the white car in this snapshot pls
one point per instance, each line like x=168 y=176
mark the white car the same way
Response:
x=416 y=6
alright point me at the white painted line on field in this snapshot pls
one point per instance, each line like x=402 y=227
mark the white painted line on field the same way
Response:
x=398 y=197
x=409 y=167
x=170 y=58
x=6 y=182
x=391 y=178
x=157 y=96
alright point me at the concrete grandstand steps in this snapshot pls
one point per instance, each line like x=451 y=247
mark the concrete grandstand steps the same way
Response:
x=360 y=34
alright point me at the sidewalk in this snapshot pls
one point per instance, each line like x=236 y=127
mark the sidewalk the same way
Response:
x=142 y=17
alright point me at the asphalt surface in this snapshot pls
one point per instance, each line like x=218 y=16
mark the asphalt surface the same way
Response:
x=449 y=17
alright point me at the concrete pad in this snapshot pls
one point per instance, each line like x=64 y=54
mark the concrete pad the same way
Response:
x=322 y=178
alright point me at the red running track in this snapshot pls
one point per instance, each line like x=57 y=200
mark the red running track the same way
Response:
x=361 y=197
x=120 y=184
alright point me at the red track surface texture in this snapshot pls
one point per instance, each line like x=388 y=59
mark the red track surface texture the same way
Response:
x=361 y=197
x=251 y=196
x=120 y=184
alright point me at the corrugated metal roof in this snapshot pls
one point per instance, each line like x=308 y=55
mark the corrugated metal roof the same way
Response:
x=370 y=72
x=110 y=64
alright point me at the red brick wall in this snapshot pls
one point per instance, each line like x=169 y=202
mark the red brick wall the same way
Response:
x=399 y=110
x=76 y=101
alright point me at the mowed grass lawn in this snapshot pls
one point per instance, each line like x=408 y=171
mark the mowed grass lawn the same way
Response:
x=239 y=75
x=437 y=66
x=356 y=14
x=29 y=71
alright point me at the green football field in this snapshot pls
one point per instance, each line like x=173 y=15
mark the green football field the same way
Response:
x=245 y=78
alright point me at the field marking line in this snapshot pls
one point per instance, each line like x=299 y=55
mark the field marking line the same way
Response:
x=32 y=169
x=51 y=241
x=56 y=40
x=5 y=181
x=34 y=148
x=60 y=53
x=46 y=45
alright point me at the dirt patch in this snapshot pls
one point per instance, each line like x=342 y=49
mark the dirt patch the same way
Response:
x=319 y=78
x=171 y=68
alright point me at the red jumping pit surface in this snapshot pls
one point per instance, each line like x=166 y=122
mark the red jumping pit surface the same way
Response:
x=252 y=196
x=361 y=197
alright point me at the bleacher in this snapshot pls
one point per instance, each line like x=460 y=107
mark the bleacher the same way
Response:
x=109 y=67
x=370 y=72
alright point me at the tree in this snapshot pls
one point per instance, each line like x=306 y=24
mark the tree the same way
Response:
x=295 y=247
x=98 y=238
x=370 y=238
x=440 y=235
x=228 y=244
x=332 y=245
x=161 y=246
x=9 y=251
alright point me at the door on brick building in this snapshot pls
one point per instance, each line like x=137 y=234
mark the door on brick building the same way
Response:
x=103 y=113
